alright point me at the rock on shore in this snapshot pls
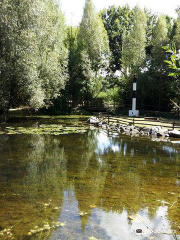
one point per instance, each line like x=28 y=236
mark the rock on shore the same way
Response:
x=154 y=131
x=174 y=134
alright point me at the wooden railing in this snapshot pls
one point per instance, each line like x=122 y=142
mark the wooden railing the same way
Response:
x=137 y=121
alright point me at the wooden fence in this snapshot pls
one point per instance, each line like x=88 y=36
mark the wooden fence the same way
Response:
x=138 y=121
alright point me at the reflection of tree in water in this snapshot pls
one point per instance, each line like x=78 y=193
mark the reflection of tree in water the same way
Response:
x=110 y=173
x=85 y=174
x=35 y=193
x=132 y=175
x=46 y=166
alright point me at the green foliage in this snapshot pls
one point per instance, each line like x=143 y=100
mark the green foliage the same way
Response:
x=111 y=98
x=134 y=43
x=117 y=20
x=45 y=64
x=33 y=56
x=154 y=86
x=151 y=23
x=160 y=38
x=53 y=54
x=174 y=61
x=177 y=30
x=92 y=36
x=73 y=86
x=88 y=55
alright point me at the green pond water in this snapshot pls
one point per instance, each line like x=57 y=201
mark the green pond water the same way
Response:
x=73 y=182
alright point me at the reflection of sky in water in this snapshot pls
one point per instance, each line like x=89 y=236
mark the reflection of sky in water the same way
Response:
x=110 y=225
x=104 y=143
x=169 y=149
x=118 y=227
x=125 y=175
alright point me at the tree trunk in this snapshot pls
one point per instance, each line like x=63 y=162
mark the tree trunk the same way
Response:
x=178 y=105
x=3 y=115
x=160 y=91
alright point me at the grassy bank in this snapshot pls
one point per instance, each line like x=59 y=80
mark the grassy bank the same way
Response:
x=26 y=113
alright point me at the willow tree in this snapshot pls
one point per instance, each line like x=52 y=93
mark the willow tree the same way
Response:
x=52 y=50
x=32 y=53
x=93 y=47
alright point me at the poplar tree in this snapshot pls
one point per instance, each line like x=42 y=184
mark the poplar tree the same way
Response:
x=134 y=43
x=93 y=50
x=92 y=36
x=160 y=37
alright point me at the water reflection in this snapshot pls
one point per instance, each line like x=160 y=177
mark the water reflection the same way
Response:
x=108 y=179
x=117 y=226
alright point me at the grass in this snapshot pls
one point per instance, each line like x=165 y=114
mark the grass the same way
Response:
x=26 y=113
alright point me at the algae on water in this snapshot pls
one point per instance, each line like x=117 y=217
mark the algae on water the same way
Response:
x=52 y=129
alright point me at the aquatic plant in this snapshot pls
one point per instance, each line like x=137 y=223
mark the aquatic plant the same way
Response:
x=52 y=129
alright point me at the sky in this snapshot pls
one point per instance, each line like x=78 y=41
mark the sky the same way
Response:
x=73 y=9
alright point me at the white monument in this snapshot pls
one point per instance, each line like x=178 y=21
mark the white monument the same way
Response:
x=134 y=112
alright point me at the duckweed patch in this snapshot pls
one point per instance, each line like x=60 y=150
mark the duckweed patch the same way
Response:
x=37 y=117
x=7 y=234
x=46 y=227
x=51 y=129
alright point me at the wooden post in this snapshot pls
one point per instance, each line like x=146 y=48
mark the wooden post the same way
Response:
x=133 y=121
x=173 y=125
x=108 y=118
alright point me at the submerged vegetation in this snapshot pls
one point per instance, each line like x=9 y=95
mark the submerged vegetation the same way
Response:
x=79 y=181
x=54 y=129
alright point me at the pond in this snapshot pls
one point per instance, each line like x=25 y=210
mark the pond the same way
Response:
x=86 y=184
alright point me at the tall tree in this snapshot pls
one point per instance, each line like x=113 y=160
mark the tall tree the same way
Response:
x=92 y=36
x=52 y=50
x=116 y=20
x=160 y=37
x=93 y=48
x=177 y=30
x=32 y=54
x=133 y=51
x=134 y=43
x=73 y=86
x=151 y=23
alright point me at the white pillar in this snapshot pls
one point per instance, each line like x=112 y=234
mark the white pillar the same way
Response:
x=134 y=104
x=134 y=112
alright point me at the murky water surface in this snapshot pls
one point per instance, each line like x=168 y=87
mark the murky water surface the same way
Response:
x=88 y=186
